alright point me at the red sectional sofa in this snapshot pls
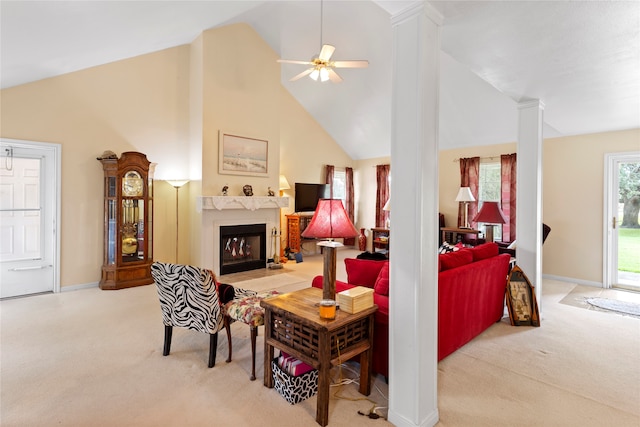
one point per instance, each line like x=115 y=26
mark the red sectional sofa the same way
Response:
x=471 y=287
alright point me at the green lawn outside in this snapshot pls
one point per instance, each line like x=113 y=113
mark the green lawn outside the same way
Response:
x=629 y=249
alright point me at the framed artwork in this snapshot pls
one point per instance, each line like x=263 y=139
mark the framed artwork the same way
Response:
x=521 y=300
x=240 y=155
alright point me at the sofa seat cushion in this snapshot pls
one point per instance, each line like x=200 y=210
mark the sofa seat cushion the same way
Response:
x=455 y=259
x=363 y=272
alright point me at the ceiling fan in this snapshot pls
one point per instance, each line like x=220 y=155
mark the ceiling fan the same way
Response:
x=322 y=66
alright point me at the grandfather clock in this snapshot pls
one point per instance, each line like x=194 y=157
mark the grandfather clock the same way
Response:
x=128 y=221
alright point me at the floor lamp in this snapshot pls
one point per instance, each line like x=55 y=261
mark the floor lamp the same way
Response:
x=177 y=183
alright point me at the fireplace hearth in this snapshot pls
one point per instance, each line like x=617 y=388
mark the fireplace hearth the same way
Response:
x=242 y=248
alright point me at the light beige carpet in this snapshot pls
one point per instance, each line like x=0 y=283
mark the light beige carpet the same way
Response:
x=94 y=358
x=579 y=368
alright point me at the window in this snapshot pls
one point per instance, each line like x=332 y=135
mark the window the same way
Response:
x=340 y=185
x=489 y=189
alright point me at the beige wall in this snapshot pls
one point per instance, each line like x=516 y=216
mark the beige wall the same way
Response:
x=139 y=104
x=241 y=87
x=305 y=149
x=573 y=201
x=159 y=105
x=573 y=178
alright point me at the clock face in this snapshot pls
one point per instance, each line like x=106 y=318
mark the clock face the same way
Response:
x=132 y=184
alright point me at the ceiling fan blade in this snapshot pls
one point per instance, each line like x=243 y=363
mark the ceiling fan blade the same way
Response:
x=291 y=61
x=350 y=64
x=302 y=74
x=333 y=76
x=326 y=52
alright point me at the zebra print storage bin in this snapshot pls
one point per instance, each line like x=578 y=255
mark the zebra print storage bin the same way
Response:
x=294 y=389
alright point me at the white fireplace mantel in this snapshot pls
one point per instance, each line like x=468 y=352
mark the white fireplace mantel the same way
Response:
x=251 y=203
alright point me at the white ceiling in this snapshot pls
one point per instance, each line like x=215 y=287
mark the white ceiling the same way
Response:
x=580 y=58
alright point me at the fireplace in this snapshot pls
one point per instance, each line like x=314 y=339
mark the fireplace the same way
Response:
x=242 y=248
x=226 y=211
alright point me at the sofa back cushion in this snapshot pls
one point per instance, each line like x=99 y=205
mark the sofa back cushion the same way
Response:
x=363 y=272
x=381 y=286
x=455 y=259
x=484 y=251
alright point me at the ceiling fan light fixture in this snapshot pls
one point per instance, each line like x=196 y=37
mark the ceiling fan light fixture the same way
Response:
x=324 y=74
x=322 y=66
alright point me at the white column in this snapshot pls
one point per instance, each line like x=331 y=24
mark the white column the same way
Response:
x=529 y=196
x=413 y=300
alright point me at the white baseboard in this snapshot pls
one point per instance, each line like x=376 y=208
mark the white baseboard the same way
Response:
x=572 y=280
x=78 y=287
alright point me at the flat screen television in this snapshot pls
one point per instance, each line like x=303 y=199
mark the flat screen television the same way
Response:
x=307 y=196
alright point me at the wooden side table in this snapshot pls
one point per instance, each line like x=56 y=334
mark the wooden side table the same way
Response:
x=454 y=231
x=292 y=324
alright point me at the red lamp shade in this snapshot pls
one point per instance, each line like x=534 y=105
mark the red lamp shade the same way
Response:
x=490 y=213
x=330 y=221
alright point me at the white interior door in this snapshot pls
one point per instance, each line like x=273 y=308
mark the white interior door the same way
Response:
x=620 y=240
x=29 y=177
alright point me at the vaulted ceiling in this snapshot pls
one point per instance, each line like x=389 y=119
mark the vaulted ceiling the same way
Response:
x=580 y=58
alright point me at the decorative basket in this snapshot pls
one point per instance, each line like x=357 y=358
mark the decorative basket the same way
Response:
x=294 y=389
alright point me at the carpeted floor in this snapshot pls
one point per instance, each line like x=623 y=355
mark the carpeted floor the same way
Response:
x=92 y=357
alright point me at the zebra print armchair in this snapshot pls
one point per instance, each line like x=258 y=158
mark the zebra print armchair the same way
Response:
x=188 y=299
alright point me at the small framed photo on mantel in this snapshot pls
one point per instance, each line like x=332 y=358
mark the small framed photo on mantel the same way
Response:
x=241 y=155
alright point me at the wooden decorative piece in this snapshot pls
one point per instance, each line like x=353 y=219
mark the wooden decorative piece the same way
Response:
x=521 y=299
x=128 y=220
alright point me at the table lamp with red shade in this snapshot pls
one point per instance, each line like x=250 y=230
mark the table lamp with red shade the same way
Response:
x=490 y=214
x=330 y=221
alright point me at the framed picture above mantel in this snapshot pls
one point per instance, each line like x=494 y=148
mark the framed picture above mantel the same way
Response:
x=241 y=155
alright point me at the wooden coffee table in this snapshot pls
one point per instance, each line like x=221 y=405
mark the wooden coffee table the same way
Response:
x=292 y=324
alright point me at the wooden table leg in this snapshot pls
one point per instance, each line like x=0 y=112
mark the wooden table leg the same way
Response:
x=324 y=380
x=254 y=335
x=365 y=373
x=366 y=363
x=268 y=350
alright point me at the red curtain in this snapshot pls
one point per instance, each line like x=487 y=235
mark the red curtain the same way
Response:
x=508 y=195
x=328 y=178
x=350 y=198
x=469 y=173
x=382 y=195
x=349 y=201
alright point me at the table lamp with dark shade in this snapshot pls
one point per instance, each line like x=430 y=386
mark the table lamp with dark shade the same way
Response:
x=491 y=215
x=330 y=221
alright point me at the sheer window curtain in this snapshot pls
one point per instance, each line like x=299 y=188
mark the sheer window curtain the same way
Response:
x=382 y=195
x=508 y=163
x=469 y=177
